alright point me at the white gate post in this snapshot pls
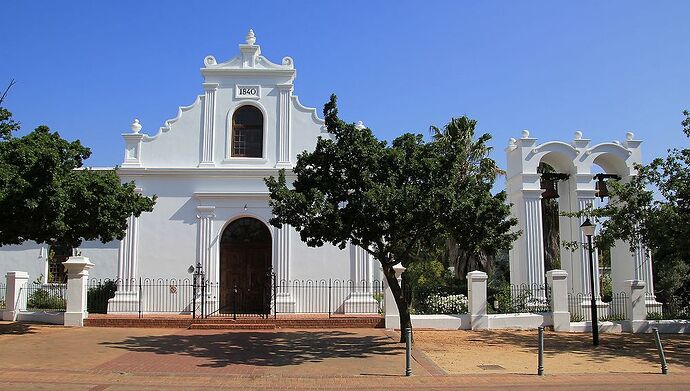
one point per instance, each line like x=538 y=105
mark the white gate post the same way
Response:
x=77 y=276
x=476 y=300
x=390 y=308
x=558 y=281
x=15 y=296
x=636 y=305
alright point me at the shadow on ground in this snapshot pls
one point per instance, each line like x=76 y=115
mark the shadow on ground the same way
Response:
x=611 y=346
x=263 y=348
x=15 y=328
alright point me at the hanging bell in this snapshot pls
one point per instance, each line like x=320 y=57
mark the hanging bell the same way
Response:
x=550 y=188
x=601 y=189
x=549 y=183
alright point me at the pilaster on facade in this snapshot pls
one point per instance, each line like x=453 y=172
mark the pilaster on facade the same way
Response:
x=285 y=301
x=205 y=216
x=585 y=200
x=208 y=134
x=126 y=297
x=284 y=120
x=361 y=299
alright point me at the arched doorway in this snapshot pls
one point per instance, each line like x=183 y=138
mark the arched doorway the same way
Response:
x=245 y=267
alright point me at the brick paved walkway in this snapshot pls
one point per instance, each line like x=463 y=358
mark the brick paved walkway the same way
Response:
x=35 y=358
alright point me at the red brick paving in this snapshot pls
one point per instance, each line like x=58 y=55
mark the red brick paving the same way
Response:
x=120 y=359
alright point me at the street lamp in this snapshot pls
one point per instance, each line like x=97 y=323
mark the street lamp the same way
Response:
x=588 y=230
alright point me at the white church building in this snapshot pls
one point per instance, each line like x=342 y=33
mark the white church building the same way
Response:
x=207 y=168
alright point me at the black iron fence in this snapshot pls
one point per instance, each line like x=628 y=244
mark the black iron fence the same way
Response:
x=3 y=295
x=674 y=307
x=580 y=307
x=140 y=296
x=521 y=298
x=201 y=299
x=45 y=297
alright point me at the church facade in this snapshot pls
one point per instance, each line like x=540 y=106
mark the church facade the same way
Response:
x=207 y=168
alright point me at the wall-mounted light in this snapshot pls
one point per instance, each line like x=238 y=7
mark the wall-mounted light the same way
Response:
x=245 y=206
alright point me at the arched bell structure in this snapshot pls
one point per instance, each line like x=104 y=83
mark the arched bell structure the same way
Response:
x=576 y=187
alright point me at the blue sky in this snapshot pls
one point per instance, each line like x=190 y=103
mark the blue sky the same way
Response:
x=87 y=69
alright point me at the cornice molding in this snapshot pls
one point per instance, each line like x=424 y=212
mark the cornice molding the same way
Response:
x=246 y=172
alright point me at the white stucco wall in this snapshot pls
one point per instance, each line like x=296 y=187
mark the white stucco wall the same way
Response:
x=186 y=163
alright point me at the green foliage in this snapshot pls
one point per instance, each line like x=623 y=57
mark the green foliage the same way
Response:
x=653 y=209
x=46 y=197
x=445 y=304
x=574 y=317
x=432 y=289
x=397 y=201
x=46 y=299
x=606 y=287
x=654 y=316
x=98 y=296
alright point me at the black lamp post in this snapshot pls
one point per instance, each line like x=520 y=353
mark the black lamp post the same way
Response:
x=588 y=230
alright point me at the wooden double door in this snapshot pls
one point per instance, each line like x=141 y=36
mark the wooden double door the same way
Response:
x=245 y=268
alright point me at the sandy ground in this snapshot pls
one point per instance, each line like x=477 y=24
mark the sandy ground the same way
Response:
x=512 y=351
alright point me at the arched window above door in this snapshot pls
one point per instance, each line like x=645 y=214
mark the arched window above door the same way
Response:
x=247 y=138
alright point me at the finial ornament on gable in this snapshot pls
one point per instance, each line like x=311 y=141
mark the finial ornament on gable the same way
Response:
x=136 y=126
x=251 y=37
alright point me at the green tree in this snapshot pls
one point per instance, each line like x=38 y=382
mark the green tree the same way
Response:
x=46 y=196
x=396 y=201
x=653 y=209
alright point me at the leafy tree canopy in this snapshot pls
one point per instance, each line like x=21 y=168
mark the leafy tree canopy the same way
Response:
x=47 y=197
x=396 y=201
x=653 y=209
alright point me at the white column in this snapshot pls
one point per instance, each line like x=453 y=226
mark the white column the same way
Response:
x=643 y=271
x=285 y=303
x=15 y=294
x=284 y=94
x=77 y=276
x=360 y=299
x=209 y=125
x=534 y=238
x=126 y=297
x=584 y=200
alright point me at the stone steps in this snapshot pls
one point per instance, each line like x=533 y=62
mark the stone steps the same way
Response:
x=250 y=323
x=232 y=326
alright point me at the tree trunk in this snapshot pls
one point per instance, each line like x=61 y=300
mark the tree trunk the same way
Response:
x=403 y=309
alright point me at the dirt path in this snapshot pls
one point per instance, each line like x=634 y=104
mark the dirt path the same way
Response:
x=512 y=351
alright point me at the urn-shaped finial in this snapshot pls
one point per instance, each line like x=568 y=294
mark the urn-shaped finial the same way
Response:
x=136 y=126
x=251 y=38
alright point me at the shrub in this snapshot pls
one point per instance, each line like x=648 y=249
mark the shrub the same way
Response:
x=44 y=299
x=446 y=304
x=654 y=316
x=97 y=297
